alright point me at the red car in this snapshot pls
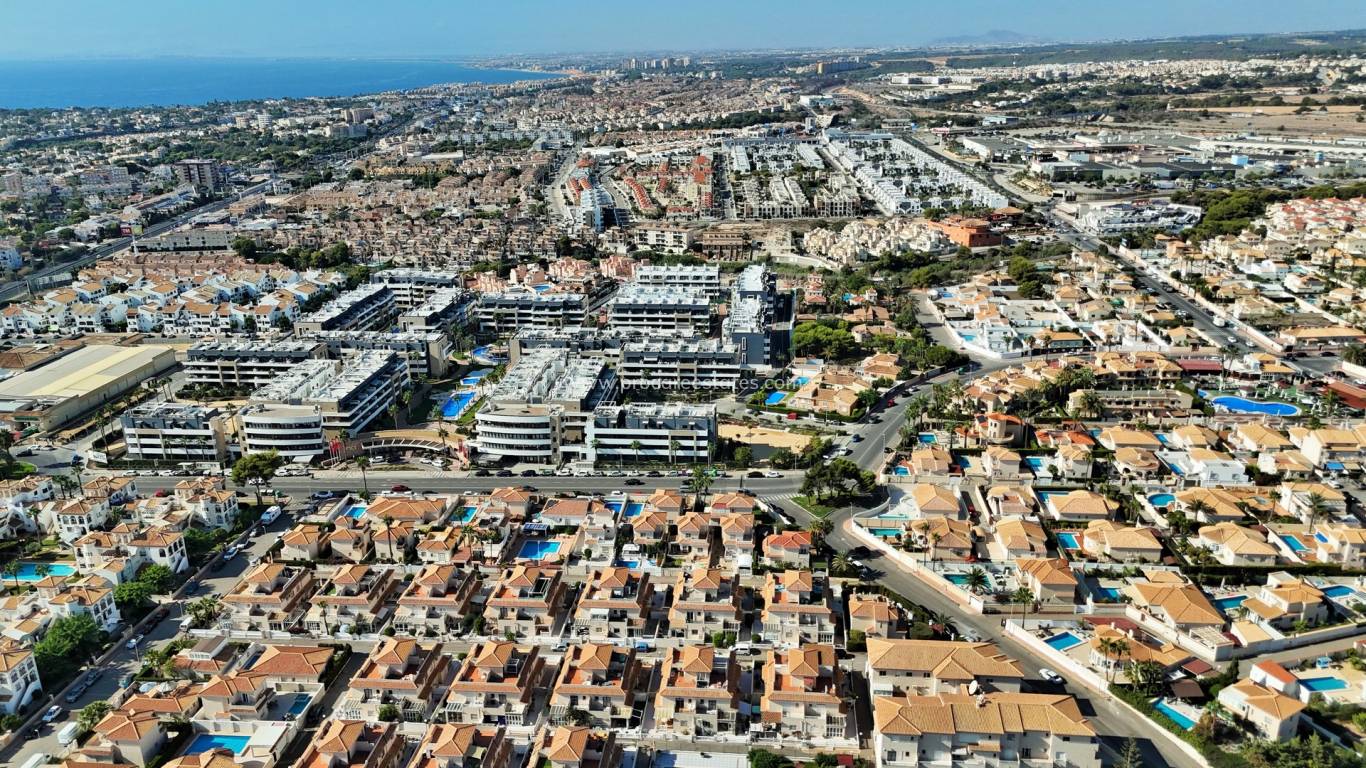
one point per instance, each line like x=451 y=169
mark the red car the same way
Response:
x=400 y=488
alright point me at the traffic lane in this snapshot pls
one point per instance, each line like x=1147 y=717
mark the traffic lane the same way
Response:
x=1108 y=717
x=300 y=487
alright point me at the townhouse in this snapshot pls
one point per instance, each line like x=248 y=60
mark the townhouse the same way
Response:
x=581 y=747
x=497 y=682
x=341 y=743
x=705 y=602
x=270 y=596
x=525 y=601
x=797 y=609
x=615 y=603
x=803 y=694
x=927 y=667
x=603 y=685
x=398 y=675
x=463 y=746
x=699 y=692
x=438 y=602
x=355 y=599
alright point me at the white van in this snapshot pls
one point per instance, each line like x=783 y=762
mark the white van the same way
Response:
x=271 y=515
x=68 y=733
x=35 y=761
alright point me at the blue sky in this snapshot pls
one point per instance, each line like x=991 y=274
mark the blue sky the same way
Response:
x=351 y=28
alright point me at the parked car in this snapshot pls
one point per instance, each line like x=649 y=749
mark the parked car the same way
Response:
x=133 y=642
x=231 y=552
x=773 y=473
x=93 y=675
x=505 y=473
x=482 y=473
x=53 y=712
x=754 y=474
x=74 y=695
x=1050 y=675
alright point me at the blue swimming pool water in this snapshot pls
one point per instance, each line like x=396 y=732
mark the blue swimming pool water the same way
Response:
x=1321 y=538
x=901 y=471
x=299 y=705
x=207 y=741
x=1226 y=604
x=356 y=510
x=1068 y=540
x=1294 y=543
x=487 y=353
x=468 y=513
x=1339 y=591
x=968 y=336
x=885 y=532
x=1161 y=499
x=1178 y=717
x=774 y=398
x=633 y=508
x=1108 y=593
x=474 y=377
x=927 y=438
x=1321 y=684
x=1244 y=405
x=1035 y=463
x=28 y=571
x=1161 y=438
x=537 y=550
x=1064 y=640
x=457 y=403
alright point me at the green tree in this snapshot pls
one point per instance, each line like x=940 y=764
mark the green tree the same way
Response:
x=202 y=612
x=389 y=713
x=1131 y=756
x=257 y=469
x=91 y=714
x=159 y=578
x=362 y=463
x=132 y=598
x=11 y=571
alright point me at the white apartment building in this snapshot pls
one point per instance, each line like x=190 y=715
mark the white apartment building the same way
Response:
x=540 y=408
x=701 y=277
x=162 y=431
x=350 y=393
x=365 y=307
x=660 y=307
x=673 y=432
x=295 y=431
x=246 y=364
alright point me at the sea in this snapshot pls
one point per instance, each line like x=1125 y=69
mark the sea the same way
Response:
x=163 y=82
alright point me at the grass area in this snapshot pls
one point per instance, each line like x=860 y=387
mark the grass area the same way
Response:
x=814 y=507
x=17 y=470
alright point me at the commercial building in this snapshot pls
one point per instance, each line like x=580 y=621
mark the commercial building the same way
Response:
x=367 y=307
x=670 y=363
x=674 y=432
x=350 y=393
x=539 y=410
x=510 y=311
x=663 y=308
x=246 y=364
x=702 y=277
x=74 y=385
x=427 y=352
x=162 y=431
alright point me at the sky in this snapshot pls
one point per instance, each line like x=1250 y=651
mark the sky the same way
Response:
x=456 y=28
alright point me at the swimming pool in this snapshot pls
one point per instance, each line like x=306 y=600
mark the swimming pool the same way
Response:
x=774 y=398
x=1226 y=604
x=356 y=510
x=28 y=571
x=474 y=377
x=1036 y=463
x=486 y=353
x=207 y=741
x=1108 y=593
x=538 y=550
x=1063 y=640
x=927 y=438
x=1068 y=540
x=1339 y=591
x=299 y=705
x=468 y=513
x=1177 y=716
x=456 y=404
x=1161 y=499
x=1322 y=684
x=961 y=579
x=901 y=471
x=1244 y=405
x=1294 y=543
x=1320 y=538
x=885 y=532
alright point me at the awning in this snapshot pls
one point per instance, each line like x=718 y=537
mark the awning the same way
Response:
x=1197 y=667
x=1187 y=689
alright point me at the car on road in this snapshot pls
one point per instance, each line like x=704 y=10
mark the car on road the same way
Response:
x=400 y=488
x=191 y=587
x=856 y=438
x=93 y=675
x=482 y=473
x=505 y=473
x=633 y=481
x=74 y=695
x=133 y=642
x=528 y=473
x=52 y=713
x=162 y=614
x=231 y=552
x=773 y=473
x=754 y=474
x=1050 y=675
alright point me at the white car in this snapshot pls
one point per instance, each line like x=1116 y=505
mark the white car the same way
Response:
x=1050 y=675
x=773 y=473
x=52 y=713
x=133 y=642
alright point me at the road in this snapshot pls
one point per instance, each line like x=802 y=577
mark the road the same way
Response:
x=18 y=287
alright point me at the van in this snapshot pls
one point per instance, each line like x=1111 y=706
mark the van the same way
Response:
x=272 y=514
x=33 y=762
x=68 y=733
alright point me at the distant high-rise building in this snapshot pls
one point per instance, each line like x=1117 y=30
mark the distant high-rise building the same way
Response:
x=202 y=174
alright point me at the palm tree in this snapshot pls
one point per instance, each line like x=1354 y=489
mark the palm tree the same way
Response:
x=933 y=549
x=977 y=580
x=1116 y=647
x=1092 y=404
x=674 y=445
x=362 y=462
x=1024 y=598
x=11 y=571
x=1317 y=508
x=635 y=448
x=42 y=571
x=388 y=523
x=202 y=612
x=819 y=529
x=1300 y=626
x=841 y=563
